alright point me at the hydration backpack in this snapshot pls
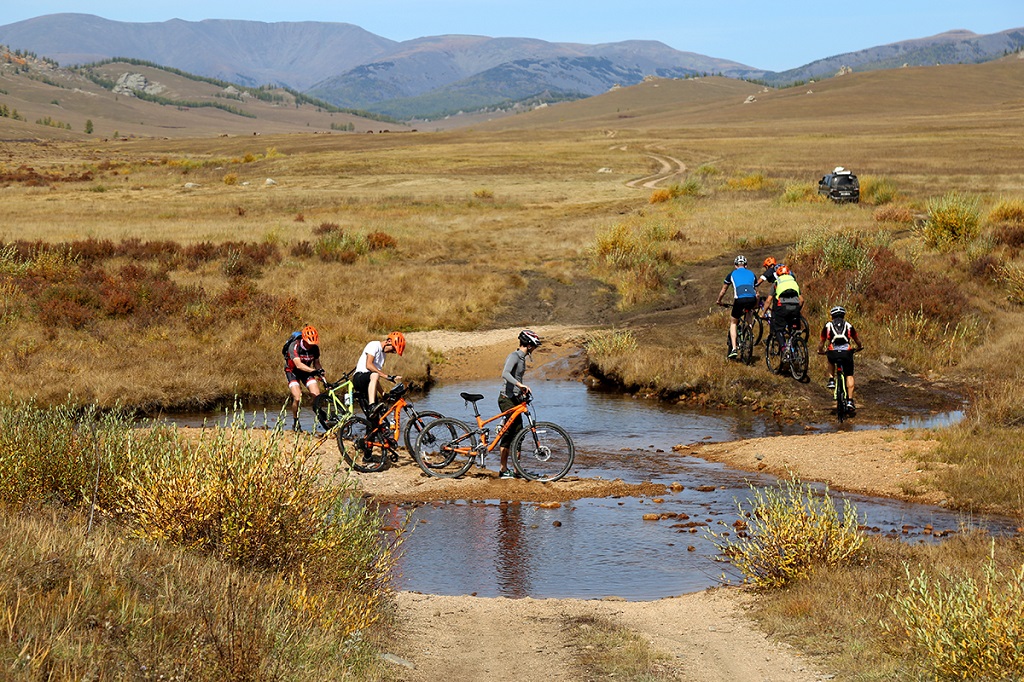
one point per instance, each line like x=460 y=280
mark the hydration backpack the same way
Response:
x=284 y=349
x=840 y=335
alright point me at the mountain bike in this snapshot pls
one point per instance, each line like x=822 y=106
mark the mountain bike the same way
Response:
x=369 y=444
x=335 y=404
x=787 y=347
x=763 y=320
x=541 y=451
x=744 y=337
x=843 y=409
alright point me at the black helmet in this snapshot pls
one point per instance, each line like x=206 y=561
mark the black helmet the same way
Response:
x=529 y=339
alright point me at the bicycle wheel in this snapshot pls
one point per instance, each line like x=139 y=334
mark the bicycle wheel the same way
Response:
x=745 y=339
x=758 y=328
x=328 y=411
x=415 y=422
x=772 y=354
x=840 y=392
x=445 y=448
x=543 y=453
x=805 y=329
x=352 y=443
x=798 y=357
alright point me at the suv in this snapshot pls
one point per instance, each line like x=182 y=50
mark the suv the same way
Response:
x=840 y=186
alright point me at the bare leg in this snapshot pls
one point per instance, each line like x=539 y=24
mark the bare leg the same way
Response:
x=849 y=388
x=732 y=331
x=296 y=392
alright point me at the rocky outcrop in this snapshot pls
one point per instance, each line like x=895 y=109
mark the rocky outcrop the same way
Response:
x=131 y=83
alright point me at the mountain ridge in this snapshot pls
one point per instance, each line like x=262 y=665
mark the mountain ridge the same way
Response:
x=433 y=76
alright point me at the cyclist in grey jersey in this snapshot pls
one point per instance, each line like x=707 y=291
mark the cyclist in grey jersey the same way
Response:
x=513 y=392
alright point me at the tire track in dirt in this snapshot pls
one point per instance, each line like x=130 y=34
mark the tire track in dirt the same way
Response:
x=671 y=167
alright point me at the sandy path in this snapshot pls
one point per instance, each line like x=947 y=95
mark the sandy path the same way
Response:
x=705 y=635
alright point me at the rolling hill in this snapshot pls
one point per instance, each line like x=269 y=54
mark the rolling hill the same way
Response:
x=38 y=99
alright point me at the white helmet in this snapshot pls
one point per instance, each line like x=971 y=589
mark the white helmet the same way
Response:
x=838 y=311
x=528 y=338
x=740 y=260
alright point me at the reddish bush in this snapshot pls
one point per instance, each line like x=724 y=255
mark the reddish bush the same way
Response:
x=378 y=241
x=1010 y=235
x=302 y=249
x=327 y=228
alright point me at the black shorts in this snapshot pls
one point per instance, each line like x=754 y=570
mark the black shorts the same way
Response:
x=506 y=403
x=842 y=358
x=741 y=305
x=297 y=376
x=786 y=314
x=361 y=390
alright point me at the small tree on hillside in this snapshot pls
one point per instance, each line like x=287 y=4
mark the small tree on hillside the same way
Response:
x=88 y=126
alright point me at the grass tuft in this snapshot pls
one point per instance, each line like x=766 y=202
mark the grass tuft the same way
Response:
x=953 y=220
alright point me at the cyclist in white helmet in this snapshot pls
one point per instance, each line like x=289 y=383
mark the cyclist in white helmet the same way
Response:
x=838 y=334
x=743 y=282
x=514 y=391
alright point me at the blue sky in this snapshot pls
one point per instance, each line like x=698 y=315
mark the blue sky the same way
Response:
x=764 y=34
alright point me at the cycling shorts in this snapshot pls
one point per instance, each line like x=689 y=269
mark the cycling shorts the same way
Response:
x=741 y=305
x=786 y=314
x=298 y=377
x=842 y=358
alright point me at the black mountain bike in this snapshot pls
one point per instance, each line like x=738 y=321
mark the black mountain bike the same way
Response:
x=744 y=337
x=787 y=348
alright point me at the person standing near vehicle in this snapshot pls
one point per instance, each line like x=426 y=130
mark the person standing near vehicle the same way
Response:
x=787 y=299
x=370 y=368
x=837 y=335
x=742 y=281
x=513 y=392
x=302 y=366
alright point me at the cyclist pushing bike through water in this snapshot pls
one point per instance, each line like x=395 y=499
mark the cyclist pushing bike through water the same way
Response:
x=514 y=391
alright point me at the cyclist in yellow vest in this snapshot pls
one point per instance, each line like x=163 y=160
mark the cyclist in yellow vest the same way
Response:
x=787 y=299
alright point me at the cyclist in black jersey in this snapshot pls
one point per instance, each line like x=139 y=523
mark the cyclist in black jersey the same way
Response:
x=302 y=366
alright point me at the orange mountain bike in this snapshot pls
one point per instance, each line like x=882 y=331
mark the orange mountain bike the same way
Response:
x=370 y=449
x=449 y=447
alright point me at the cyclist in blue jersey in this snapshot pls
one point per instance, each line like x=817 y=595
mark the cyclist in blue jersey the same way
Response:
x=742 y=282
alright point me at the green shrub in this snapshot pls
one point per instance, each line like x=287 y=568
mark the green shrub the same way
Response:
x=953 y=220
x=965 y=629
x=1013 y=277
x=787 y=531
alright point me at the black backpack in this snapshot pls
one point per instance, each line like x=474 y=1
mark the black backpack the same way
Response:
x=291 y=339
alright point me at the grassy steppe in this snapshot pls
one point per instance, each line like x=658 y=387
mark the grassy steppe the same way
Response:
x=119 y=282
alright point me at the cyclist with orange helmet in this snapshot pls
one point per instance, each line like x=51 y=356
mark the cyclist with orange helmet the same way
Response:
x=302 y=366
x=770 y=265
x=788 y=301
x=370 y=368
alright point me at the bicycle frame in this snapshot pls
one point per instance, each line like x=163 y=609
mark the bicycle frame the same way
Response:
x=512 y=414
x=337 y=399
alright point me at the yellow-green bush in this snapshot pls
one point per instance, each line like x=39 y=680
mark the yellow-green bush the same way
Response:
x=953 y=220
x=877 y=191
x=1013 y=277
x=633 y=251
x=1008 y=211
x=611 y=343
x=965 y=629
x=787 y=531
x=752 y=182
x=802 y=193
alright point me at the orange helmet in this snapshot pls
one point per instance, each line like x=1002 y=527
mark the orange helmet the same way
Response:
x=783 y=270
x=397 y=340
x=310 y=336
x=769 y=261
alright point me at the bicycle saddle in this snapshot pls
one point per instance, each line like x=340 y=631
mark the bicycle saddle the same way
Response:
x=471 y=397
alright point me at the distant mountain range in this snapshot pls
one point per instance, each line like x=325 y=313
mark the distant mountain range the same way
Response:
x=430 y=77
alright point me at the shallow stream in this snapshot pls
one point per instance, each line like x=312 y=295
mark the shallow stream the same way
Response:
x=600 y=547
